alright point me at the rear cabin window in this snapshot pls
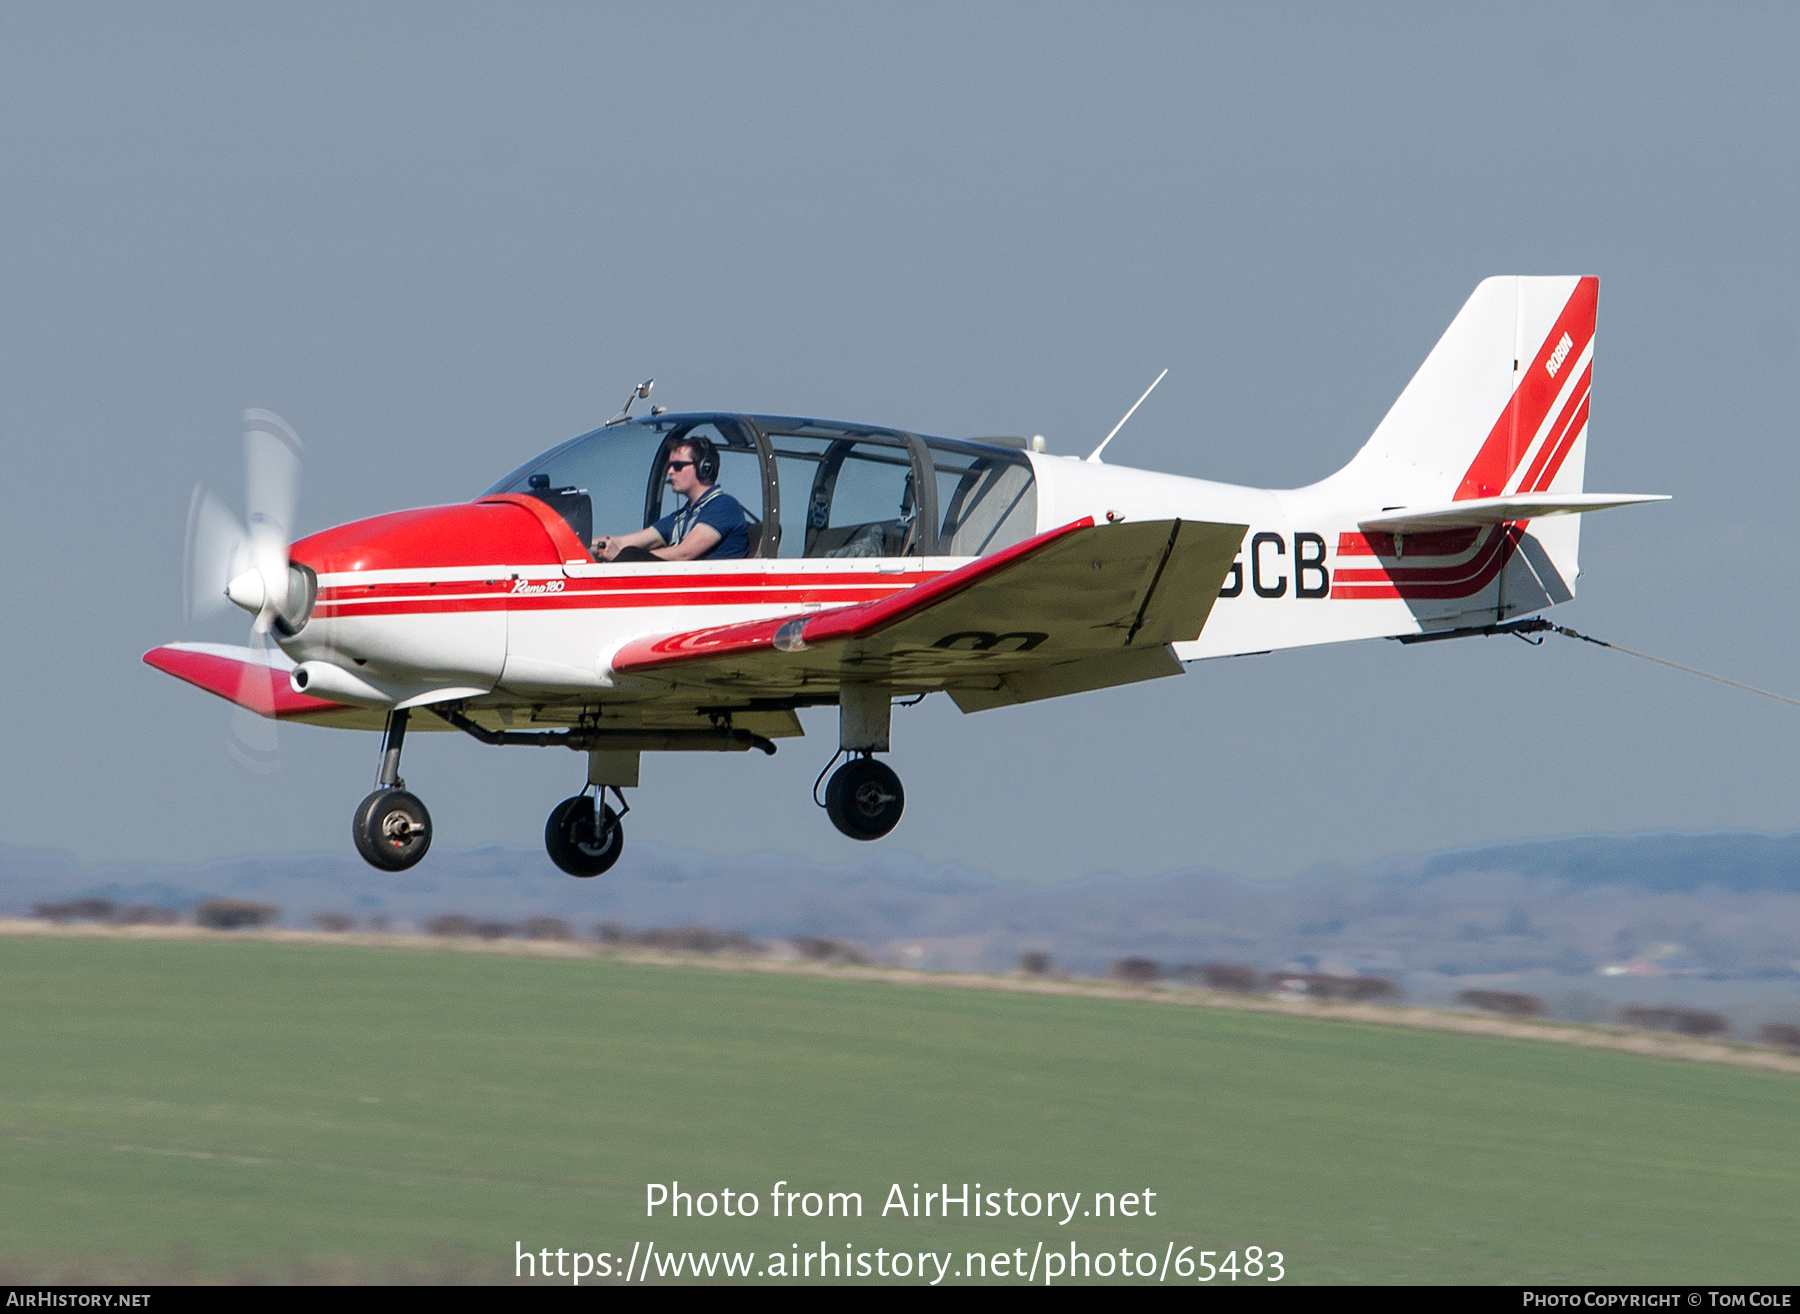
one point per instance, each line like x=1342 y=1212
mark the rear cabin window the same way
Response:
x=988 y=500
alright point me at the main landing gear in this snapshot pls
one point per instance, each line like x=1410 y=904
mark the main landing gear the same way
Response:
x=585 y=835
x=864 y=798
x=392 y=828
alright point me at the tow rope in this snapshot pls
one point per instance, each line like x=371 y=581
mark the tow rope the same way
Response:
x=1663 y=661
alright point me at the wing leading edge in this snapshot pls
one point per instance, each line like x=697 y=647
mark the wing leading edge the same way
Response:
x=1076 y=608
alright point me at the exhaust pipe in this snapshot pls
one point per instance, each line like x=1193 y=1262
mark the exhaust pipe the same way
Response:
x=323 y=680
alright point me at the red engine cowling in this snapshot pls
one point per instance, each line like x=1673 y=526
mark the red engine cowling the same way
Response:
x=491 y=532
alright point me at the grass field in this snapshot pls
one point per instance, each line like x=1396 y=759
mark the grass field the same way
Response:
x=246 y=1107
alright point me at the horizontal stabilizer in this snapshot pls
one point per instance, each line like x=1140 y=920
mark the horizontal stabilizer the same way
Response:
x=1478 y=511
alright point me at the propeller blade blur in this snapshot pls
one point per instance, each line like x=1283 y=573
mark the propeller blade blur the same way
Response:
x=218 y=551
x=252 y=737
x=271 y=496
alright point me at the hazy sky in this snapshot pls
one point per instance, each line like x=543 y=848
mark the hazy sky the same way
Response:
x=441 y=237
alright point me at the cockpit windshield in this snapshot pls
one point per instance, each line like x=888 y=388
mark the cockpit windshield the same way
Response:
x=612 y=481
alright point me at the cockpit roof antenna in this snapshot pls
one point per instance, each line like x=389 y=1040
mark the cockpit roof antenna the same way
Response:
x=1094 y=456
x=637 y=393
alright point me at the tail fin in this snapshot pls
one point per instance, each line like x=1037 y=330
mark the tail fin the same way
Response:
x=1500 y=405
x=1495 y=421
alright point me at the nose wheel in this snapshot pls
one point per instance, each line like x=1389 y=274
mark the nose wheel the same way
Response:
x=584 y=836
x=392 y=829
x=864 y=798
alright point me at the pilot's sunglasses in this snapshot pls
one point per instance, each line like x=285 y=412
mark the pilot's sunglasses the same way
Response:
x=679 y=465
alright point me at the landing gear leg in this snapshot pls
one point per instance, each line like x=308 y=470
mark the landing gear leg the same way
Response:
x=392 y=829
x=864 y=798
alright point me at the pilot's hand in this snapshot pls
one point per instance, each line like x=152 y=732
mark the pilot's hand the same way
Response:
x=603 y=548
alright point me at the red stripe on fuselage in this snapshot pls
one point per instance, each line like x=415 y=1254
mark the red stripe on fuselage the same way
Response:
x=663 y=590
x=1459 y=581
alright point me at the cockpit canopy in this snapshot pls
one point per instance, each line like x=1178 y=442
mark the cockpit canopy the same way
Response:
x=809 y=488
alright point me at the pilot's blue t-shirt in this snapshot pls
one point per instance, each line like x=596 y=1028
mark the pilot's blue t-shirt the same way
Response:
x=720 y=510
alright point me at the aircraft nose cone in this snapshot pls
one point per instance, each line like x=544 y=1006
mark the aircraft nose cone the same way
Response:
x=247 y=591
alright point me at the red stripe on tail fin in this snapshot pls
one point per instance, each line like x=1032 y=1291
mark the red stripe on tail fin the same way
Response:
x=1537 y=391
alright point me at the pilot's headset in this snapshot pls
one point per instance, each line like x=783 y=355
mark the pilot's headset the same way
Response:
x=706 y=456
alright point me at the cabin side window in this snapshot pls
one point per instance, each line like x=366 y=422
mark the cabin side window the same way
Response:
x=846 y=496
x=740 y=474
x=988 y=500
x=614 y=480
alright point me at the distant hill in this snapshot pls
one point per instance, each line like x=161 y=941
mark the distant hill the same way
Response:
x=1723 y=903
x=1663 y=861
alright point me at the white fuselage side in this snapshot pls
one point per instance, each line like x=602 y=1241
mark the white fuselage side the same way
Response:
x=545 y=632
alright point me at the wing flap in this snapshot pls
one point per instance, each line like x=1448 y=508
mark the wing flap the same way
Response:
x=1103 y=672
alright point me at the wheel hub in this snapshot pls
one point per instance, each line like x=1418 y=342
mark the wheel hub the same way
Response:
x=872 y=798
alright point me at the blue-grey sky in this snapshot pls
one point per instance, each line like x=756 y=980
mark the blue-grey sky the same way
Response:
x=441 y=237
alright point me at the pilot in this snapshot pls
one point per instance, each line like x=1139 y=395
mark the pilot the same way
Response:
x=709 y=527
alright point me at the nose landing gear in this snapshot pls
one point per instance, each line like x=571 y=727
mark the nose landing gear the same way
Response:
x=392 y=829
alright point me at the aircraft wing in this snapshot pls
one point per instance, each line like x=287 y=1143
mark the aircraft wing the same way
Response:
x=1075 y=608
x=257 y=679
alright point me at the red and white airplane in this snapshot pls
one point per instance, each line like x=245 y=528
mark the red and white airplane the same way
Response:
x=885 y=565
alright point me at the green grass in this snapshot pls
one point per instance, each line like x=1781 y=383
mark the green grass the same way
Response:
x=250 y=1104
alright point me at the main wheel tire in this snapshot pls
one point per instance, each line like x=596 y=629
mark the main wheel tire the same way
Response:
x=580 y=842
x=864 y=799
x=392 y=829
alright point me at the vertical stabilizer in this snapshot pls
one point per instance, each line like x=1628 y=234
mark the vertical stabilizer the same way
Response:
x=1498 y=407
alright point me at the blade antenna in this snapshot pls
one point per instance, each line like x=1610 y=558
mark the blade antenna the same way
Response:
x=1094 y=456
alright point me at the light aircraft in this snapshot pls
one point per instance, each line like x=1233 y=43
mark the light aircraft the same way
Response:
x=884 y=565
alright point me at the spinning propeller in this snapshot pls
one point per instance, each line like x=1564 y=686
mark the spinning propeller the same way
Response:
x=229 y=563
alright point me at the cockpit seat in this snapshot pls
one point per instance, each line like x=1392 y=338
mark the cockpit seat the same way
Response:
x=881 y=538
